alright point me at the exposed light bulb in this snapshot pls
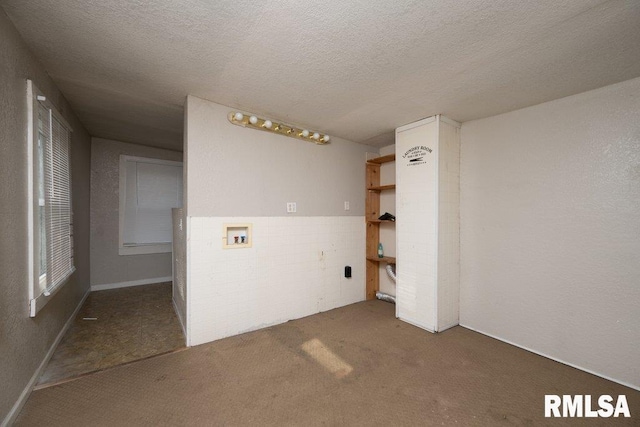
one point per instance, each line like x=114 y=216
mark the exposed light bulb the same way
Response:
x=244 y=120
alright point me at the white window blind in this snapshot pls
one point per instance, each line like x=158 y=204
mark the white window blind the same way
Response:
x=58 y=214
x=151 y=189
x=50 y=214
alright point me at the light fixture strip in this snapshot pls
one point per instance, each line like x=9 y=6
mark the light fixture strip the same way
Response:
x=255 y=122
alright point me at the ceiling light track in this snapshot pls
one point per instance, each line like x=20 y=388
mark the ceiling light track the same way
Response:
x=255 y=122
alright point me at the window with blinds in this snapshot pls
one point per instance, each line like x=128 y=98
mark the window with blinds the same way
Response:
x=149 y=189
x=50 y=209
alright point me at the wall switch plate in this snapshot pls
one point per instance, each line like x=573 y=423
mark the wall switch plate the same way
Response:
x=291 y=207
x=346 y=206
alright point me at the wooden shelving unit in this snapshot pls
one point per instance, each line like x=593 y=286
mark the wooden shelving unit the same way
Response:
x=372 y=207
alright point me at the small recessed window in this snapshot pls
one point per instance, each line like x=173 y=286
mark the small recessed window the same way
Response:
x=149 y=189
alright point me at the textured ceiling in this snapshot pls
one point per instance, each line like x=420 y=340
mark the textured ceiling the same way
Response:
x=354 y=69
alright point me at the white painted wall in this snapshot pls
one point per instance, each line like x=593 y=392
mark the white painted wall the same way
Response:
x=550 y=229
x=236 y=171
x=293 y=269
x=448 y=293
x=108 y=268
x=295 y=266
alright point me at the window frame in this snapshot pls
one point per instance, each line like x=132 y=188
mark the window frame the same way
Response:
x=39 y=298
x=139 y=249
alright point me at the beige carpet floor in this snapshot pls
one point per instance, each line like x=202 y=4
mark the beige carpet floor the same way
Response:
x=355 y=365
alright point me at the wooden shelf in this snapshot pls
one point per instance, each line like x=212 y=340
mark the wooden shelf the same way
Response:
x=372 y=209
x=382 y=188
x=383 y=159
x=387 y=259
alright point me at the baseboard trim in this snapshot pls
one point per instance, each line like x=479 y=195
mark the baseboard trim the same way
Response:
x=130 y=283
x=17 y=407
x=417 y=325
x=555 y=359
x=448 y=326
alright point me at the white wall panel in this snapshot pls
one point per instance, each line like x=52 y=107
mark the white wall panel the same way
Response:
x=428 y=193
x=294 y=268
x=550 y=223
x=416 y=223
x=448 y=293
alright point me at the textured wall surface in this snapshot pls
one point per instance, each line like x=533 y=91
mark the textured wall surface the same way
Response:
x=234 y=171
x=296 y=264
x=107 y=266
x=550 y=208
x=354 y=69
x=24 y=341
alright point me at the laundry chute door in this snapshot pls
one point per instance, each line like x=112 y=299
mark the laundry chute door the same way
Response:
x=416 y=222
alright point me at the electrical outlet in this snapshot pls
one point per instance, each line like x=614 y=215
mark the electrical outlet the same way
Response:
x=291 y=207
x=346 y=206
